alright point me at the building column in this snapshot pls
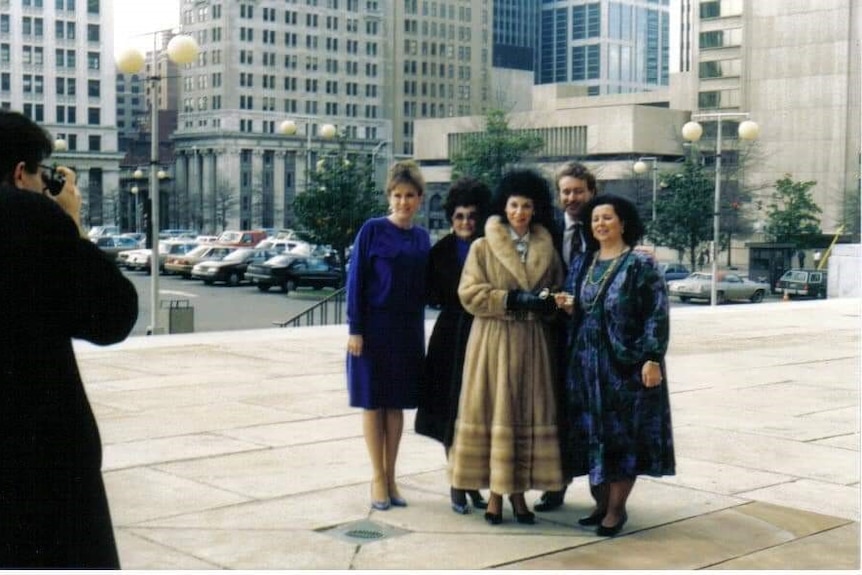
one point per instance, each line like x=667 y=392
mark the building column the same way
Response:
x=228 y=201
x=181 y=188
x=208 y=192
x=195 y=204
x=257 y=203
x=278 y=190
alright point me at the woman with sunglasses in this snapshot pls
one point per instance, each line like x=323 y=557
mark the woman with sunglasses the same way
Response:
x=466 y=208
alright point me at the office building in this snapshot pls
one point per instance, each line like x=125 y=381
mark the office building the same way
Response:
x=516 y=34
x=56 y=66
x=611 y=47
x=795 y=70
x=438 y=61
x=262 y=63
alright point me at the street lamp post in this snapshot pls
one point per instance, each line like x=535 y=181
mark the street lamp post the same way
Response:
x=181 y=50
x=692 y=131
x=640 y=167
x=326 y=131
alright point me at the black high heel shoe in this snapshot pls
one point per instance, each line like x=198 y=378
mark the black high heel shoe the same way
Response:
x=459 y=501
x=477 y=500
x=495 y=518
x=612 y=531
x=593 y=518
x=528 y=517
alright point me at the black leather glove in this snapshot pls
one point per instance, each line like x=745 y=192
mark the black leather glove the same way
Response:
x=519 y=300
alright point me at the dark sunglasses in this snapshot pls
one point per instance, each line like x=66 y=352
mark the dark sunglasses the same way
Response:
x=472 y=216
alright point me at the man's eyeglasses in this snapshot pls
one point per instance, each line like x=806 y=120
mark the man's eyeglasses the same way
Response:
x=460 y=216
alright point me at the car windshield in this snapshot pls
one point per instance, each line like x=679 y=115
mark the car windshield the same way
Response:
x=199 y=251
x=281 y=259
x=238 y=255
x=230 y=237
x=700 y=276
x=795 y=276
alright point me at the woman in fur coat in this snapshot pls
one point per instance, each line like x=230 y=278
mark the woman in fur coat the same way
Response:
x=506 y=433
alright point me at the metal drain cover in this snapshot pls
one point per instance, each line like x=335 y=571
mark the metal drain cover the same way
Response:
x=364 y=531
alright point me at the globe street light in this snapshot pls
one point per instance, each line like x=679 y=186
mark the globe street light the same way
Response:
x=326 y=131
x=181 y=50
x=692 y=131
x=641 y=167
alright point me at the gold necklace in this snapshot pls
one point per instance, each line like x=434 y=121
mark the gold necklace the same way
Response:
x=602 y=280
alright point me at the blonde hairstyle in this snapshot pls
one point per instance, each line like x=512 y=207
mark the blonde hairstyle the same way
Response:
x=405 y=172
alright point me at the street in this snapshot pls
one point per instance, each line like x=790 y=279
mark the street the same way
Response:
x=222 y=308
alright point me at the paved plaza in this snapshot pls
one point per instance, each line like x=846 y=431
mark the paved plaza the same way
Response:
x=237 y=450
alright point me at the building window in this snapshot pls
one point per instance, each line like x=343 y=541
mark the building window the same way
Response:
x=94 y=116
x=92 y=6
x=95 y=143
x=93 y=62
x=93 y=88
x=92 y=32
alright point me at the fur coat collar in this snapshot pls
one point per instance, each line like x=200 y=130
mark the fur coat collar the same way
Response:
x=540 y=256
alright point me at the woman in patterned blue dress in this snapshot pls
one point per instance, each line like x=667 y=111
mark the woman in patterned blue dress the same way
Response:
x=616 y=384
x=386 y=319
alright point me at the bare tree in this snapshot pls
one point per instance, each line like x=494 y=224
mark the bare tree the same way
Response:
x=225 y=201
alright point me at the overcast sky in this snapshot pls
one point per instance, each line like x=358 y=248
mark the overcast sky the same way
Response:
x=134 y=19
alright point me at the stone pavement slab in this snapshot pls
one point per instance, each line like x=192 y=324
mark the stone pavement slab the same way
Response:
x=237 y=450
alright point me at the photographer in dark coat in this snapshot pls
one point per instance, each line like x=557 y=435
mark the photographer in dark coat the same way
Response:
x=56 y=285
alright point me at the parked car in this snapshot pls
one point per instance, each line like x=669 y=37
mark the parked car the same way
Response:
x=123 y=256
x=139 y=237
x=245 y=238
x=113 y=245
x=730 y=286
x=290 y=272
x=802 y=282
x=297 y=247
x=99 y=231
x=182 y=264
x=674 y=271
x=231 y=269
x=140 y=259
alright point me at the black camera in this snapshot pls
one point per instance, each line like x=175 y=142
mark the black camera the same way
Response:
x=53 y=180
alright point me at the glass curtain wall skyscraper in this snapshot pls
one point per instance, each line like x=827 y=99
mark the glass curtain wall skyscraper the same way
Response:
x=611 y=47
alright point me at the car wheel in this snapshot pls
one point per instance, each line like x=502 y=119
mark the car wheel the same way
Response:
x=209 y=282
x=289 y=286
x=719 y=298
x=684 y=298
x=317 y=287
x=821 y=294
x=263 y=287
x=757 y=297
x=233 y=279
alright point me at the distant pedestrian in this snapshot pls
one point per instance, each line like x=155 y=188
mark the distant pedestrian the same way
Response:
x=386 y=322
x=56 y=285
x=800 y=257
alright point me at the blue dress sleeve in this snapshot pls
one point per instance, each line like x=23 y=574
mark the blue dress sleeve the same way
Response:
x=356 y=279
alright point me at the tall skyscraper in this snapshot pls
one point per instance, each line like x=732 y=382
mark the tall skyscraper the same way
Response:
x=611 y=47
x=56 y=66
x=516 y=34
x=262 y=63
x=439 y=55
x=796 y=72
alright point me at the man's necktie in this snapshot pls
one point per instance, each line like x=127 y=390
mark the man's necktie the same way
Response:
x=574 y=240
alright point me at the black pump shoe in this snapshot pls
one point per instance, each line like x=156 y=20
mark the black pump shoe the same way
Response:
x=594 y=518
x=459 y=501
x=549 y=501
x=603 y=531
x=528 y=517
x=493 y=518
x=477 y=500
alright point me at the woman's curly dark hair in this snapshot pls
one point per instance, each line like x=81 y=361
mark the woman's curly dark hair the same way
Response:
x=530 y=184
x=627 y=212
x=467 y=191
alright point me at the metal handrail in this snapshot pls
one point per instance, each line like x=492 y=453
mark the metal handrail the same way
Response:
x=334 y=302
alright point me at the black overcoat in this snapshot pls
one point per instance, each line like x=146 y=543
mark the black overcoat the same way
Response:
x=444 y=361
x=54 y=286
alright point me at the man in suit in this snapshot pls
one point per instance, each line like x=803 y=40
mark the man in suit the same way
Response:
x=576 y=185
x=56 y=285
